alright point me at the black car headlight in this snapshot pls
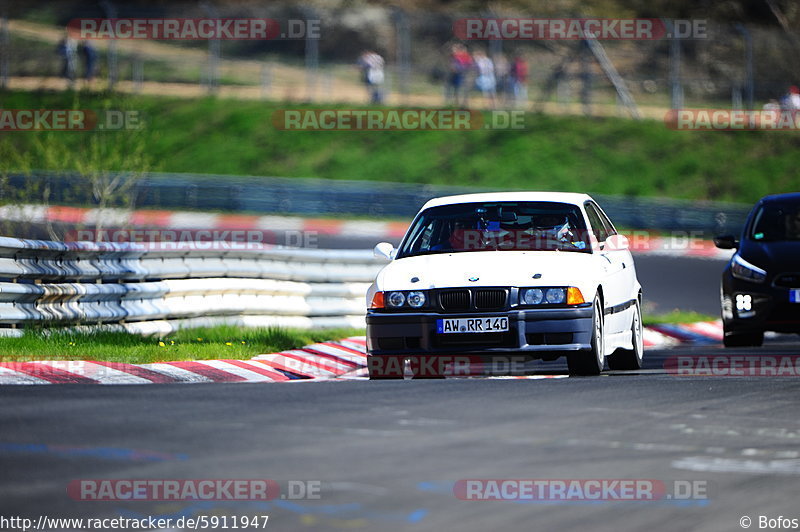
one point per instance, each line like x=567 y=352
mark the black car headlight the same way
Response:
x=741 y=269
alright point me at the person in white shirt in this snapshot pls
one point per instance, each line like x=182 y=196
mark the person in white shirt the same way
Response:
x=485 y=81
x=372 y=74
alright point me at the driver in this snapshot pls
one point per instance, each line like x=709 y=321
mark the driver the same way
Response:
x=552 y=227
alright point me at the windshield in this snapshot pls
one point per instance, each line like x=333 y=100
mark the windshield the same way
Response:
x=497 y=226
x=776 y=222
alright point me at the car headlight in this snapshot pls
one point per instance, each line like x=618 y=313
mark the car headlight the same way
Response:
x=396 y=299
x=416 y=299
x=741 y=269
x=558 y=295
x=532 y=296
x=555 y=295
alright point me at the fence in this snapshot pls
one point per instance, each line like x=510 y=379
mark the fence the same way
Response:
x=321 y=197
x=732 y=65
x=157 y=289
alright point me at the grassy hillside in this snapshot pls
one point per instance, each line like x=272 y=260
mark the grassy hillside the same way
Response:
x=611 y=156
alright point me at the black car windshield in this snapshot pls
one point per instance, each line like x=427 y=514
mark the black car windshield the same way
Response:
x=497 y=226
x=776 y=222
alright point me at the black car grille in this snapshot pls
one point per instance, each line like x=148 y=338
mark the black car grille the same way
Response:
x=473 y=299
x=454 y=300
x=490 y=299
x=788 y=280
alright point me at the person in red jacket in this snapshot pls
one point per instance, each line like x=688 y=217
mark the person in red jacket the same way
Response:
x=519 y=79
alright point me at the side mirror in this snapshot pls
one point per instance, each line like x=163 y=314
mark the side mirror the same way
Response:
x=726 y=242
x=384 y=250
x=617 y=243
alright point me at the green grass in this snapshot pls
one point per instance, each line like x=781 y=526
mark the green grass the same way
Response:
x=674 y=317
x=594 y=155
x=223 y=342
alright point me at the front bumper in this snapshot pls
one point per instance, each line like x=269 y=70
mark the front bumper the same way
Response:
x=769 y=307
x=536 y=332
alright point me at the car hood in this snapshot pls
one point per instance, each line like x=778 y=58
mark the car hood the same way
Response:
x=775 y=257
x=486 y=268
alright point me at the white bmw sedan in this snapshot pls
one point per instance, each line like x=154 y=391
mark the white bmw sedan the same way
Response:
x=540 y=274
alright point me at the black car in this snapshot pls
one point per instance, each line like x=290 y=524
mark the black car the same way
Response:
x=761 y=284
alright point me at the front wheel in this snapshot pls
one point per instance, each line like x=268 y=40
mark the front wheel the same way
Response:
x=590 y=362
x=630 y=359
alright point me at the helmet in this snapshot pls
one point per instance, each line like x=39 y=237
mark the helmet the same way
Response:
x=552 y=226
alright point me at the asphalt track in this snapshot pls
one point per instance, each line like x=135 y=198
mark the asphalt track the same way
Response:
x=387 y=453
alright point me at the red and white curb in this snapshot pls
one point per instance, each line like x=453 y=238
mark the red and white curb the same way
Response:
x=341 y=360
x=641 y=242
x=326 y=360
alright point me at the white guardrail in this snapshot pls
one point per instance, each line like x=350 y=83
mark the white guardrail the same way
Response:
x=158 y=288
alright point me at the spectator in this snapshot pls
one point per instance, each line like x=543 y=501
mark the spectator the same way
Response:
x=791 y=100
x=67 y=50
x=460 y=64
x=502 y=73
x=486 y=81
x=519 y=79
x=372 y=74
x=89 y=54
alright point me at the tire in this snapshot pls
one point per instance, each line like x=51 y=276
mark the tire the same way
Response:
x=630 y=359
x=748 y=339
x=585 y=363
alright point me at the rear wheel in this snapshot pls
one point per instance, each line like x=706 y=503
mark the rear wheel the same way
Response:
x=590 y=362
x=630 y=359
x=745 y=339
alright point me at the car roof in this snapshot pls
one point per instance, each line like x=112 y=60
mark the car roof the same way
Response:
x=573 y=198
x=795 y=196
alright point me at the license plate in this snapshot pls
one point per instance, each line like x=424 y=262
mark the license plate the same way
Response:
x=471 y=325
x=794 y=296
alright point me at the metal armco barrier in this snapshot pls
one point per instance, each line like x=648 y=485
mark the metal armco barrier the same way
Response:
x=158 y=288
x=324 y=197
